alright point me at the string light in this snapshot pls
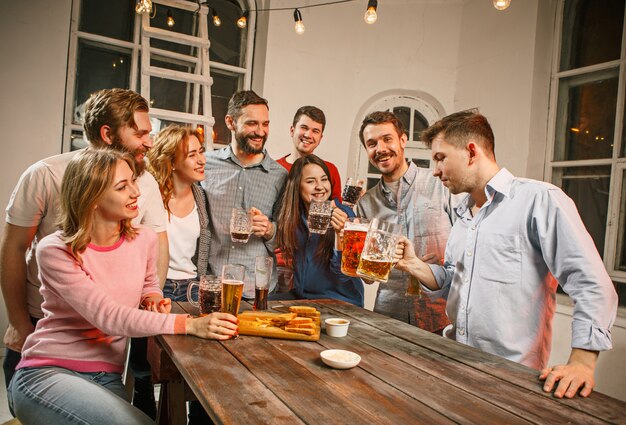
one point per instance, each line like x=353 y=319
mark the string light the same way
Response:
x=170 y=19
x=216 y=19
x=501 y=4
x=143 y=6
x=370 y=14
x=299 y=27
x=243 y=21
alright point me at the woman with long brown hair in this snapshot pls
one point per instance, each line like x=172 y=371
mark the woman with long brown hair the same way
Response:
x=316 y=259
x=95 y=273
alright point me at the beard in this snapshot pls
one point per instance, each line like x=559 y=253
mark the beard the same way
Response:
x=245 y=146
x=140 y=165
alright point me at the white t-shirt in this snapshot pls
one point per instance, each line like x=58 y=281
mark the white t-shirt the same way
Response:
x=183 y=233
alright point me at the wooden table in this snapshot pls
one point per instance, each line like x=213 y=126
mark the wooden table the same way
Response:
x=406 y=376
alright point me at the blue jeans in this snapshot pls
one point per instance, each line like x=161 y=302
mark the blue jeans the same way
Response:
x=176 y=289
x=55 y=396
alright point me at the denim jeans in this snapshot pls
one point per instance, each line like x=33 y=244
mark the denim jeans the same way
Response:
x=55 y=396
x=176 y=289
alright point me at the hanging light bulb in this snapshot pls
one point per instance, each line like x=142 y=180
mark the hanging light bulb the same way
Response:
x=143 y=6
x=243 y=21
x=370 y=14
x=299 y=27
x=501 y=4
x=170 y=19
x=216 y=19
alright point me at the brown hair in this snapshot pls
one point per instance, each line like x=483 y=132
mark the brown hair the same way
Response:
x=112 y=107
x=241 y=99
x=313 y=112
x=170 y=144
x=381 y=117
x=459 y=127
x=87 y=177
x=292 y=207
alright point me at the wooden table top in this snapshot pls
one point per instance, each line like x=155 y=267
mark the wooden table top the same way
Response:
x=406 y=375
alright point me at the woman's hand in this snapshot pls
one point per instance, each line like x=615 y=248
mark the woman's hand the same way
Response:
x=157 y=304
x=214 y=326
x=338 y=219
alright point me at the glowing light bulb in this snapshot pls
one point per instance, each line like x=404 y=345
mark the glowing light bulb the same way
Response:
x=143 y=6
x=170 y=19
x=243 y=21
x=370 y=14
x=299 y=27
x=216 y=19
x=501 y=4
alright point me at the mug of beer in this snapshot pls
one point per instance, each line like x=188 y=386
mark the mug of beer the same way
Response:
x=262 y=274
x=209 y=294
x=240 y=225
x=232 y=287
x=380 y=246
x=352 y=191
x=320 y=213
x=354 y=233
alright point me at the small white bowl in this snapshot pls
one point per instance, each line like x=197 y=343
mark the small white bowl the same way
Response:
x=337 y=327
x=340 y=359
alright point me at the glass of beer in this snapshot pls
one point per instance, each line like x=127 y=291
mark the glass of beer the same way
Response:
x=209 y=294
x=380 y=246
x=262 y=274
x=352 y=191
x=320 y=213
x=240 y=225
x=354 y=232
x=232 y=287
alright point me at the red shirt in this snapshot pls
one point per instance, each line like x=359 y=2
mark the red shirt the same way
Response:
x=335 y=179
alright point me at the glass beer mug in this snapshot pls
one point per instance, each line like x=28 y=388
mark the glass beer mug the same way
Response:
x=380 y=246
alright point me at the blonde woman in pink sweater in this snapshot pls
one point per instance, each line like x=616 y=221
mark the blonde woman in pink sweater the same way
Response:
x=95 y=273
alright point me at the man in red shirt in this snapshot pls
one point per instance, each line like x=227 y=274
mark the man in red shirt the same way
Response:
x=306 y=132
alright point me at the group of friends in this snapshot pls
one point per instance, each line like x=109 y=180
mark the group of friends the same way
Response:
x=98 y=242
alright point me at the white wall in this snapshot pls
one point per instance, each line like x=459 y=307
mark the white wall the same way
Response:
x=34 y=40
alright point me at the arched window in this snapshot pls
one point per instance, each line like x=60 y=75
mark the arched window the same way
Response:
x=416 y=111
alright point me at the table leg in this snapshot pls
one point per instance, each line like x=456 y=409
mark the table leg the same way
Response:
x=172 y=406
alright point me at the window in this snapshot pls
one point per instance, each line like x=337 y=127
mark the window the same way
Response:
x=587 y=158
x=416 y=115
x=106 y=52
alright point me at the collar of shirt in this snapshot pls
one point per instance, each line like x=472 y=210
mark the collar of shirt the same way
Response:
x=227 y=153
x=500 y=183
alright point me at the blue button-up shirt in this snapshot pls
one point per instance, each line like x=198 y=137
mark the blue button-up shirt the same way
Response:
x=229 y=184
x=500 y=269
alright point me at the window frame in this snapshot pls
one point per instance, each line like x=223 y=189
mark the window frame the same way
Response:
x=70 y=128
x=617 y=163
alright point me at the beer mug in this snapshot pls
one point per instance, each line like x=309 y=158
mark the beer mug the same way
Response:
x=209 y=294
x=354 y=233
x=232 y=287
x=352 y=191
x=262 y=274
x=378 y=253
x=240 y=225
x=320 y=213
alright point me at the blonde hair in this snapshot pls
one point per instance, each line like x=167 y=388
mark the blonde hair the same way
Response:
x=87 y=177
x=169 y=146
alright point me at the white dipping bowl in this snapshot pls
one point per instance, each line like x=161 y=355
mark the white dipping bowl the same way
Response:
x=337 y=327
x=340 y=359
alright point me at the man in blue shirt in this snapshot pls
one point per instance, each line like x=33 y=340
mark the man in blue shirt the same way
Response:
x=513 y=240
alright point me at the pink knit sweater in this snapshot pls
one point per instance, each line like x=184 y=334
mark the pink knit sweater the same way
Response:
x=90 y=309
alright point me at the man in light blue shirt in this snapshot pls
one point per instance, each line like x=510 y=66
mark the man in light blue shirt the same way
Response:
x=513 y=240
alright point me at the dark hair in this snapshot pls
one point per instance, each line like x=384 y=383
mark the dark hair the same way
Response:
x=381 y=117
x=292 y=207
x=112 y=107
x=457 y=128
x=313 y=112
x=241 y=99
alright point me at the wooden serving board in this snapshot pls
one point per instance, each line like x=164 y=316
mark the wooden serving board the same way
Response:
x=248 y=325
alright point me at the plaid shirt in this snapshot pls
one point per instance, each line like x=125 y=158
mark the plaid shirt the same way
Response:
x=423 y=207
x=228 y=184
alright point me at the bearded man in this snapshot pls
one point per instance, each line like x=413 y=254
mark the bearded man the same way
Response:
x=242 y=175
